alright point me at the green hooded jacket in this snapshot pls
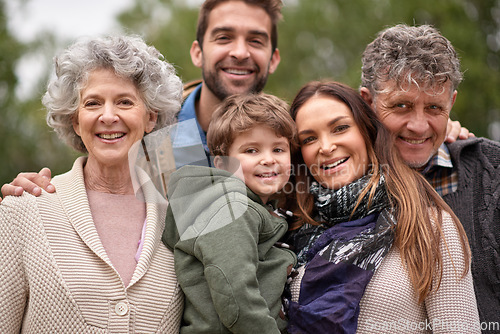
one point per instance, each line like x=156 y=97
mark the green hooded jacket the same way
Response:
x=223 y=240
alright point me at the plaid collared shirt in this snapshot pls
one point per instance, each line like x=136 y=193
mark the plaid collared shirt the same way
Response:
x=440 y=172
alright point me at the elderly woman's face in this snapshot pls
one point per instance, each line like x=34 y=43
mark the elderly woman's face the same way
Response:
x=331 y=143
x=111 y=117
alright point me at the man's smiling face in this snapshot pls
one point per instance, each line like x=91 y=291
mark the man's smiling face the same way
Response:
x=417 y=119
x=237 y=54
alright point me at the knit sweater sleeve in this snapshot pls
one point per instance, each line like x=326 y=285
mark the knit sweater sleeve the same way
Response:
x=452 y=307
x=12 y=279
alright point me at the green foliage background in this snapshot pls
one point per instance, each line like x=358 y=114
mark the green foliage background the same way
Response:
x=317 y=39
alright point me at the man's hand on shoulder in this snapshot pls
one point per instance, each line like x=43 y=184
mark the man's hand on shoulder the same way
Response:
x=30 y=182
x=455 y=131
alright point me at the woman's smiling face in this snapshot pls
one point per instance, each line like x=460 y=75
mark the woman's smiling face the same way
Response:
x=111 y=117
x=331 y=144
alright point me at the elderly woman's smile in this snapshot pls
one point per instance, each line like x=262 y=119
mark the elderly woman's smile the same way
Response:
x=110 y=136
x=111 y=117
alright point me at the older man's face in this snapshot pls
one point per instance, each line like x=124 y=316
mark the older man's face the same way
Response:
x=416 y=118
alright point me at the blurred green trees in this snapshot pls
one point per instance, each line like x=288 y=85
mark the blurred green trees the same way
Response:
x=26 y=144
x=317 y=39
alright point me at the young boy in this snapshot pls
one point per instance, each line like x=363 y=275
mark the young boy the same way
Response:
x=220 y=223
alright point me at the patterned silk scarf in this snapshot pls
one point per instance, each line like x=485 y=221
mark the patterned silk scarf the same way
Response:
x=342 y=260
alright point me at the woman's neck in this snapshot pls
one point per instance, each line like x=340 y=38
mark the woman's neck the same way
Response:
x=107 y=179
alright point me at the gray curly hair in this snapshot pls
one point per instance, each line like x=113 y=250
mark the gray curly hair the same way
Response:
x=129 y=57
x=410 y=55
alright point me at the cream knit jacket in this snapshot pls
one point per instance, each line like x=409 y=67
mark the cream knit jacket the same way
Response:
x=55 y=276
x=390 y=306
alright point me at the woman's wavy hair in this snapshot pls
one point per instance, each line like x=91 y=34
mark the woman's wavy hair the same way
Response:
x=129 y=57
x=416 y=205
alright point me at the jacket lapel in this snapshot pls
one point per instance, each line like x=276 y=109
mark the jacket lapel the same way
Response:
x=73 y=197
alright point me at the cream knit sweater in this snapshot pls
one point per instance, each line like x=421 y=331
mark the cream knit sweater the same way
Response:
x=389 y=304
x=55 y=276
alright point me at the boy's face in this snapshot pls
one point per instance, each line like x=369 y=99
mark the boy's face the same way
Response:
x=264 y=160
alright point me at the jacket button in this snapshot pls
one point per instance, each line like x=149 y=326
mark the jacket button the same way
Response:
x=121 y=308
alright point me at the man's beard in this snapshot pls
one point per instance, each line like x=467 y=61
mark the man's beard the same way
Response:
x=218 y=88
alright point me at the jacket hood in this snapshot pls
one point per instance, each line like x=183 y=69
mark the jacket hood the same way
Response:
x=196 y=194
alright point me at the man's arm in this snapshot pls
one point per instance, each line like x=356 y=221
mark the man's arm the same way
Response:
x=456 y=131
x=30 y=182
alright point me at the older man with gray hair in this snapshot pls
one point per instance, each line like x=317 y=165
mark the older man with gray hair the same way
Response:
x=410 y=76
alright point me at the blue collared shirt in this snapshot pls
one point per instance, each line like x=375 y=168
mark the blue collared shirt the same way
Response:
x=188 y=111
x=162 y=152
x=189 y=135
x=440 y=172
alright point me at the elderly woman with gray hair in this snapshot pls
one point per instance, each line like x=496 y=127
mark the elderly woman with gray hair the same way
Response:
x=88 y=258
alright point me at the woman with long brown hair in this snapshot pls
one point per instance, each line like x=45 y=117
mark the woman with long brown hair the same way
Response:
x=379 y=250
